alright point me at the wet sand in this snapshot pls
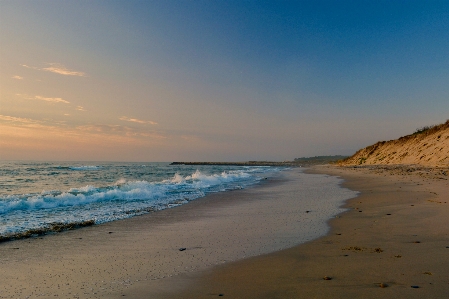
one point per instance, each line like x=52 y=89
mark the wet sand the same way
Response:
x=149 y=256
x=392 y=243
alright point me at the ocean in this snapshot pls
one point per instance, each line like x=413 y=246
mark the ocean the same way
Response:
x=41 y=197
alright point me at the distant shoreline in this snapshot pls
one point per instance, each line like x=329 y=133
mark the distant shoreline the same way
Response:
x=249 y=163
x=297 y=162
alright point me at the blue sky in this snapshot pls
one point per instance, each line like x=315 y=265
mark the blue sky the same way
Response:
x=217 y=80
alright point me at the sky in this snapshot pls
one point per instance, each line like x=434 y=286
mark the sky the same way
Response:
x=216 y=80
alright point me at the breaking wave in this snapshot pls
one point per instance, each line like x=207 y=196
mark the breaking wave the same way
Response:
x=119 y=200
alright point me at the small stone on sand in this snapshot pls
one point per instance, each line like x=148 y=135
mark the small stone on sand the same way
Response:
x=182 y=249
x=383 y=285
x=327 y=278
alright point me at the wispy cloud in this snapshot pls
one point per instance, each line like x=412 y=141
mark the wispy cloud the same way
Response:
x=17 y=77
x=41 y=98
x=120 y=130
x=100 y=129
x=135 y=120
x=16 y=119
x=52 y=137
x=54 y=100
x=58 y=69
x=26 y=121
x=30 y=67
x=62 y=70
x=80 y=108
x=23 y=122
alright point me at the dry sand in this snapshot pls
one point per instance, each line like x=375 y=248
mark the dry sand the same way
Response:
x=392 y=243
x=141 y=257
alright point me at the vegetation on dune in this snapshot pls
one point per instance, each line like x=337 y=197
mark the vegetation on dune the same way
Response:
x=430 y=128
x=319 y=159
x=423 y=129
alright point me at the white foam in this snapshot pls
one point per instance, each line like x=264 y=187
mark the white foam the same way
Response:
x=85 y=167
x=119 y=200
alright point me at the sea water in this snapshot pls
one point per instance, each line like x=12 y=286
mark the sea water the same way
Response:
x=36 y=195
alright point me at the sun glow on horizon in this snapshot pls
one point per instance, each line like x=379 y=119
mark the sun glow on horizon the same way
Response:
x=21 y=134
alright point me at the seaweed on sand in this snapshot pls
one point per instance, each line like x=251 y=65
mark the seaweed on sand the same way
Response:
x=54 y=227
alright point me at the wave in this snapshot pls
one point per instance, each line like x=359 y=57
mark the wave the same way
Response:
x=178 y=187
x=84 y=167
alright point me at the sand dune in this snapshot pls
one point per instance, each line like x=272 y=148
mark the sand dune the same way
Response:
x=429 y=147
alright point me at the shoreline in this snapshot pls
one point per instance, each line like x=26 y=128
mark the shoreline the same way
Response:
x=393 y=242
x=149 y=251
x=249 y=163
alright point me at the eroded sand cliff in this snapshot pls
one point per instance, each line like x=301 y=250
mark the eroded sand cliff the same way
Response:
x=429 y=147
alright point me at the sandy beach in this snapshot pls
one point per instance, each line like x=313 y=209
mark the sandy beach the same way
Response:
x=141 y=256
x=391 y=242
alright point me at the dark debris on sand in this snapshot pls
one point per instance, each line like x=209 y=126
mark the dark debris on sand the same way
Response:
x=54 y=227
